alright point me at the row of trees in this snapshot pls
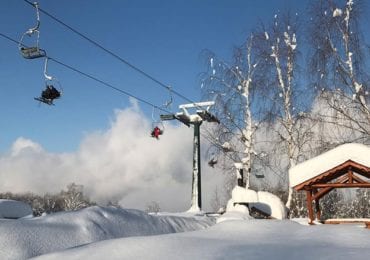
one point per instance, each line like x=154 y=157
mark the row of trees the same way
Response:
x=66 y=200
x=296 y=88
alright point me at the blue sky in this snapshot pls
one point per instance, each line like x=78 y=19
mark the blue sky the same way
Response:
x=163 y=38
x=95 y=136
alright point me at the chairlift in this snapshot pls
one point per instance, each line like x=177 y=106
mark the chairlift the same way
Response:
x=157 y=126
x=34 y=51
x=259 y=175
x=212 y=162
x=53 y=88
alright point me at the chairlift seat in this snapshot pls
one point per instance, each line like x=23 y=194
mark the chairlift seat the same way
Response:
x=45 y=100
x=32 y=52
x=167 y=117
x=259 y=175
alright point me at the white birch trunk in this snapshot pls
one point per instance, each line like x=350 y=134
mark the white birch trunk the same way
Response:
x=286 y=89
x=248 y=131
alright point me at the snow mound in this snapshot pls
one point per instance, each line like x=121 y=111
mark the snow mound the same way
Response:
x=254 y=239
x=240 y=194
x=263 y=201
x=25 y=238
x=14 y=209
x=270 y=204
x=311 y=168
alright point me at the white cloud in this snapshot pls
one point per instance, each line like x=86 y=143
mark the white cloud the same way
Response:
x=122 y=164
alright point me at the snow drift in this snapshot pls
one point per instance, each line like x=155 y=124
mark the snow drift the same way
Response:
x=14 y=209
x=252 y=239
x=25 y=238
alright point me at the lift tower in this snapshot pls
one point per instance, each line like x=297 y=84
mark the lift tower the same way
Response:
x=196 y=119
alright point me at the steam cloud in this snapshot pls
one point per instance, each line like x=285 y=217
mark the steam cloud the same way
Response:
x=120 y=164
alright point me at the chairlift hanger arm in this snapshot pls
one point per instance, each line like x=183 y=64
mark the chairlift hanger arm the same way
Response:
x=36 y=28
x=47 y=77
x=197 y=105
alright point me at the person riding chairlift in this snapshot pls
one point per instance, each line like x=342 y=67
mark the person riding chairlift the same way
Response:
x=50 y=93
x=156 y=132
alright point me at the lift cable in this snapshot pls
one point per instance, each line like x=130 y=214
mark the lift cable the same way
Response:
x=95 y=78
x=112 y=54
x=105 y=84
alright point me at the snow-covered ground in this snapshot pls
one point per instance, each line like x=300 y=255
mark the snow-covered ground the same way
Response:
x=113 y=233
x=28 y=237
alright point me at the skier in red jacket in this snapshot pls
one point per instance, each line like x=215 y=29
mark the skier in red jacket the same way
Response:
x=156 y=132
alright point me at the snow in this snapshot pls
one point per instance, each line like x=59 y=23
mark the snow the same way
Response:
x=226 y=146
x=115 y=233
x=236 y=239
x=262 y=200
x=14 y=209
x=358 y=87
x=337 y=12
x=25 y=238
x=311 y=168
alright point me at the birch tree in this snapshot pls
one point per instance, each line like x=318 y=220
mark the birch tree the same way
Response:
x=232 y=86
x=338 y=62
x=278 y=50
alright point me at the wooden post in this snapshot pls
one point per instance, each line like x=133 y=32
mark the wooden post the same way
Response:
x=350 y=175
x=318 y=210
x=309 y=206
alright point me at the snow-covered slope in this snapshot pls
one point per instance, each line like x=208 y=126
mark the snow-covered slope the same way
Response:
x=24 y=238
x=248 y=239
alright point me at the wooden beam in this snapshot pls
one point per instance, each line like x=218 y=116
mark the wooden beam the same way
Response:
x=321 y=193
x=324 y=191
x=341 y=185
x=358 y=179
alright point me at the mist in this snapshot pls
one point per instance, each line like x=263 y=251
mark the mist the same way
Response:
x=121 y=164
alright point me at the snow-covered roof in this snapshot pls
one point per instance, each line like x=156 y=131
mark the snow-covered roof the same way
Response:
x=302 y=172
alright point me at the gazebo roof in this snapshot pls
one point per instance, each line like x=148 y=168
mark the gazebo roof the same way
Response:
x=309 y=169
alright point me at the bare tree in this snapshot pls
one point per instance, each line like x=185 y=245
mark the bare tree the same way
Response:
x=338 y=61
x=152 y=207
x=73 y=197
x=277 y=48
x=233 y=87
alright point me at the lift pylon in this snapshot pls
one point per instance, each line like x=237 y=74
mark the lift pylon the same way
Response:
x=187 y=117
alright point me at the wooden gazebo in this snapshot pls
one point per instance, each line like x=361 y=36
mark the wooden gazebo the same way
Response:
x=347 y=166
